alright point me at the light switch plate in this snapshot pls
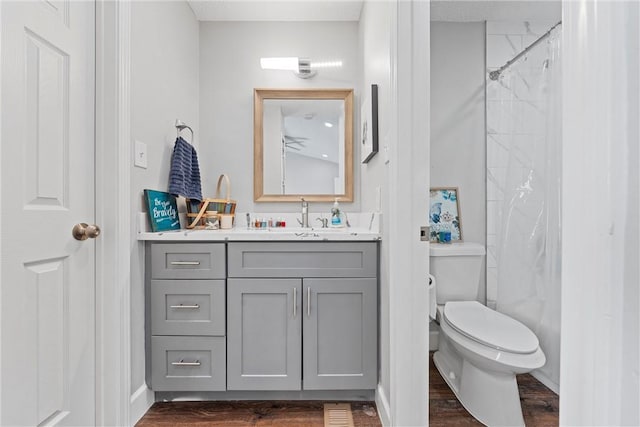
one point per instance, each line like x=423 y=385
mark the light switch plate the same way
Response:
x=140 y=155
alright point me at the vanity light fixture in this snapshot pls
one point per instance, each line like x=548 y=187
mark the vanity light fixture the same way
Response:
x=302 y=67
x=290 y=64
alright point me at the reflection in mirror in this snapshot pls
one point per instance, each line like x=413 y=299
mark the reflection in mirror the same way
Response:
x=303 y=145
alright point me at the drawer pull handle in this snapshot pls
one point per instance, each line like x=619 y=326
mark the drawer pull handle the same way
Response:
x=183 y=363
x=295 y=302
x=309 y=302
x=190 y=307
x=185 y=262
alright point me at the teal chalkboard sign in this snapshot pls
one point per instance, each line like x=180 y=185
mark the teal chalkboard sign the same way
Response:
x=163 y=210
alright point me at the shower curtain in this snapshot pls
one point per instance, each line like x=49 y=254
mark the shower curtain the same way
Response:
x=528 y=232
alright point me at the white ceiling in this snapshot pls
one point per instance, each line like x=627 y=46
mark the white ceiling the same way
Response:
x=277 y=10
x=496 y=10
x=349 y=10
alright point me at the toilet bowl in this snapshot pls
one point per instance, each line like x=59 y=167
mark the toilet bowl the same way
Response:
x=480 y=350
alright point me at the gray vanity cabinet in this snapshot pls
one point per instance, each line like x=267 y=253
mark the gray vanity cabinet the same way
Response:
x=186 y=345
x=302 y=315
x=340 y=334
x=264 y=334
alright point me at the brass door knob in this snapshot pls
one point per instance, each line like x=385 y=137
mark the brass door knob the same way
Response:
x=84 y=231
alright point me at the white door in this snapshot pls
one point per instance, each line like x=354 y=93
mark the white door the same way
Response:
x=47 y=185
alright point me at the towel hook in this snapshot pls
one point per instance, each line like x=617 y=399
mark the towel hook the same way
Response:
x=180 y=126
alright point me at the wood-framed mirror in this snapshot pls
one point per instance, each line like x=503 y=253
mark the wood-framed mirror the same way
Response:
x=302 y=145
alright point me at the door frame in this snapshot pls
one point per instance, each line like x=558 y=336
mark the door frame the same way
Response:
x=408 y=196
x=113 y=191
x=408 y=262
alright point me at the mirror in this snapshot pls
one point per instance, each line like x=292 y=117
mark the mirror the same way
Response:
x=303 y=145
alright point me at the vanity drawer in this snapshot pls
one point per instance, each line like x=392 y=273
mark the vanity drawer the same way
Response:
x=188 y=307
x=302 y=259
x=187 y=261
x=188 y=363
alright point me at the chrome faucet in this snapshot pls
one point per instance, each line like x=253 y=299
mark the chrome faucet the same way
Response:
x=305 y=214
x=324 y=221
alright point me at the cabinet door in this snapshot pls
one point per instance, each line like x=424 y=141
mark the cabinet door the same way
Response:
x=264 y=334
x=340 y=334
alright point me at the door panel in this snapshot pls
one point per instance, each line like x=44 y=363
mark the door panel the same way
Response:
x=263 y=334
x=340 y=334
x=47 y=185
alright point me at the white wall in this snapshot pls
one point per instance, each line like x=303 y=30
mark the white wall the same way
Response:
x=458 y=148
x=600 y=361
x=164 y=87
x=375 y=52
x=229 y=71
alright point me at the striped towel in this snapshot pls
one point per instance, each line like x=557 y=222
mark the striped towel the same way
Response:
x=184 y=176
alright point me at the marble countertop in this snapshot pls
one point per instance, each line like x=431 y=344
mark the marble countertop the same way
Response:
x=364 y=227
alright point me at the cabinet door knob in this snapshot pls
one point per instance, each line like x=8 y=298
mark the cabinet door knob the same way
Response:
x=83 y=231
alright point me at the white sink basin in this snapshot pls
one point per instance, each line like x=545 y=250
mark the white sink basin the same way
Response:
x=298 y=230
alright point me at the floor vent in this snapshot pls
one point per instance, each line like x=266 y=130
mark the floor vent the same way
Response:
x=338 y=415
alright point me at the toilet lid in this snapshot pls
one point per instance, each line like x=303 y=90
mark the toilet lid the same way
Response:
x=489 y=327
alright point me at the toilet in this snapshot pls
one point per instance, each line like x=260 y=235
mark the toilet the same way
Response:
x=480 y=350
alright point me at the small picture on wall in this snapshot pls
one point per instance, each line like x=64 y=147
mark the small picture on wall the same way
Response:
x=369 y=125
x=444 y=215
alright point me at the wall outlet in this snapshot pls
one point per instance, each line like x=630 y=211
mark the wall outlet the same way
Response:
x=140 y=155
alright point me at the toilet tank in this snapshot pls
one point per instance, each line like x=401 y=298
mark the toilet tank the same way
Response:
x=456 y=268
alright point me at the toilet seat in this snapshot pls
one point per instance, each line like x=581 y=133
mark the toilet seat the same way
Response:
x=489 y=327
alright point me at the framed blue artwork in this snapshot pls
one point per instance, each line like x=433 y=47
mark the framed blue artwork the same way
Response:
x=163 y=210
x=444 y=215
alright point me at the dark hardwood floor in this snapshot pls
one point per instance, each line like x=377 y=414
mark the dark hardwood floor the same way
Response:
x=539 y=405
x=251 y=413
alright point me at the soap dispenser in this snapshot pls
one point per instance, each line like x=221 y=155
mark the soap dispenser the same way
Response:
x=336 y=215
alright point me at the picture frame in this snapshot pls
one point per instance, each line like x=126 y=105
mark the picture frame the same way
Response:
x=444 y=215
x=162 y=210
x=369 y=125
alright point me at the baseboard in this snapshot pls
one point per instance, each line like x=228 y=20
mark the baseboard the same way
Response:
x=141 y=401
x=181 y=396
x=550 y=384
x=382 y=404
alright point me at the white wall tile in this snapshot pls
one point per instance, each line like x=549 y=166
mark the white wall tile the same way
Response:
x=501 y=48
x=494 y=192
x=497 y=150
x=501 y=120
x=506 y=28
x=498 y=175
x=536 y=29
x=493 y=216
x=514 y=122
x=491 y=256
x=492 y=284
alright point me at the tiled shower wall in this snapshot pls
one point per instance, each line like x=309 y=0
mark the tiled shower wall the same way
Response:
x=504 y=125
